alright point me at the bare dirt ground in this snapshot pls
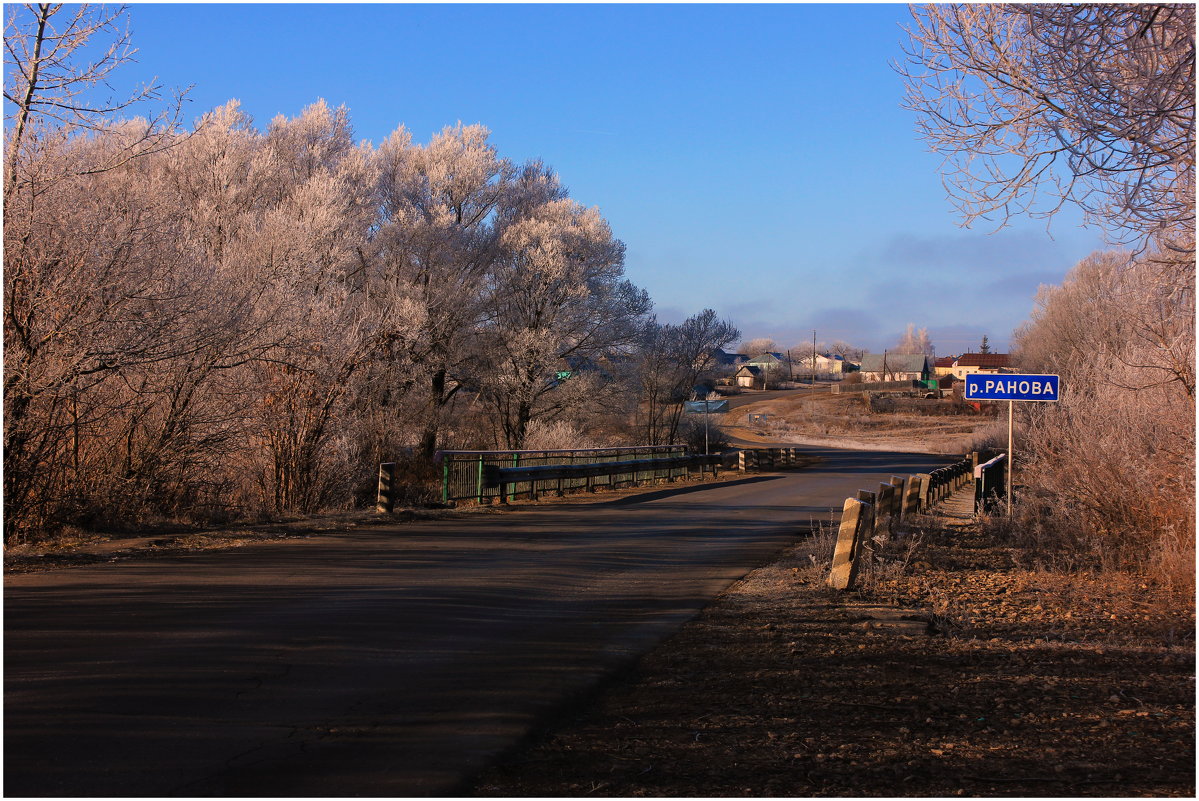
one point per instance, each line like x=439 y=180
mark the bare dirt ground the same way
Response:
x=847 y=421
x=963 y=668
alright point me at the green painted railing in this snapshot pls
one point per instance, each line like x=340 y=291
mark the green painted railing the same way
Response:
x=463 y=472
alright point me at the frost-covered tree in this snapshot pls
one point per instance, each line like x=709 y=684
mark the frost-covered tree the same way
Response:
x=1123 y=341
x=557 y=301
x=436 y=241
x=757 y=346
x=55 y=55
x=1037 y=105
x=914 y=342
x=228 y=320
x=847 y=351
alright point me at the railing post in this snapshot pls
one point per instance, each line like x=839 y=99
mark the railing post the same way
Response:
x=385 y=500
x=844 y=571
x=897 y=497
x=886 y=510
x=515 y=463
x=911 y=496
x=479 y=481
x=925 y=486
x=869 y=521
x=979 y=481
x=445 y=479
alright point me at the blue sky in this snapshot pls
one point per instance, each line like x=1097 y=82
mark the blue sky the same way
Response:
x=753 y=158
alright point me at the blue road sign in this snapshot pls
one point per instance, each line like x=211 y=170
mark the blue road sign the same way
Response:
x=1011 y=386
x=713 y=406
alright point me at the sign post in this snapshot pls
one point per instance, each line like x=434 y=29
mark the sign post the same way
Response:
x=1011 y=387
x=707 y=407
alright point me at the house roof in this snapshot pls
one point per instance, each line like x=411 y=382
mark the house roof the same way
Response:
x=945 y=361
x=749 y=370
x=984 y=360
x=896 y=362
x=724 y=358
x=767 y=358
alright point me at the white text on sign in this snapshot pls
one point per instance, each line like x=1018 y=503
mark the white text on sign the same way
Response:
x=1012 y=386
x=1001 y=387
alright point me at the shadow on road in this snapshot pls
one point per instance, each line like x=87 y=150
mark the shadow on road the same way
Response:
x=669 y=493
x=840 y=461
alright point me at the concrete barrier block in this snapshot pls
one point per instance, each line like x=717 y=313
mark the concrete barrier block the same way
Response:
x=385 y=497
x=882 y=517
x=911 y=492
x=900 y=485
x=844 y=572
x=924 y=484
x=870 y=515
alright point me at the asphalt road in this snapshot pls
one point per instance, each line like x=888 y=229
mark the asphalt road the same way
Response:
x=395 y=661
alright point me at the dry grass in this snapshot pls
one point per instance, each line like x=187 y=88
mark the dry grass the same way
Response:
x=957 y=671
x=848 y=421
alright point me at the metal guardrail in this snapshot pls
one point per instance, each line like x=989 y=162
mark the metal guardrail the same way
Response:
x=464 y=473
x=867 y=520
x=990 y=483
x=945 y=480
x=484 y=476
x=502 y=477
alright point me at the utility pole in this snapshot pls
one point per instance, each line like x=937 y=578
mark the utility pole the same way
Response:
x=706 y=402
x=813 y=357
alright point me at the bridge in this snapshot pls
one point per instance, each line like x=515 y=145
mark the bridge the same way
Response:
x=396 y=660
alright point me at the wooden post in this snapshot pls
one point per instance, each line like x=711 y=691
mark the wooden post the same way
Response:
x=845 y=566
x=385 y=501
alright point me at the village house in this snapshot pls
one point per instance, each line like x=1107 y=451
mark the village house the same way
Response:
x=943 y=366
x=767 y=361
x=896 y=367
x=981 y=363
x=826 y=363
x=773 y=366
x=750 y=377
x=722 y=358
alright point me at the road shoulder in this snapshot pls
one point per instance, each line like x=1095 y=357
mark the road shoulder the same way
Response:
x=963 y=671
